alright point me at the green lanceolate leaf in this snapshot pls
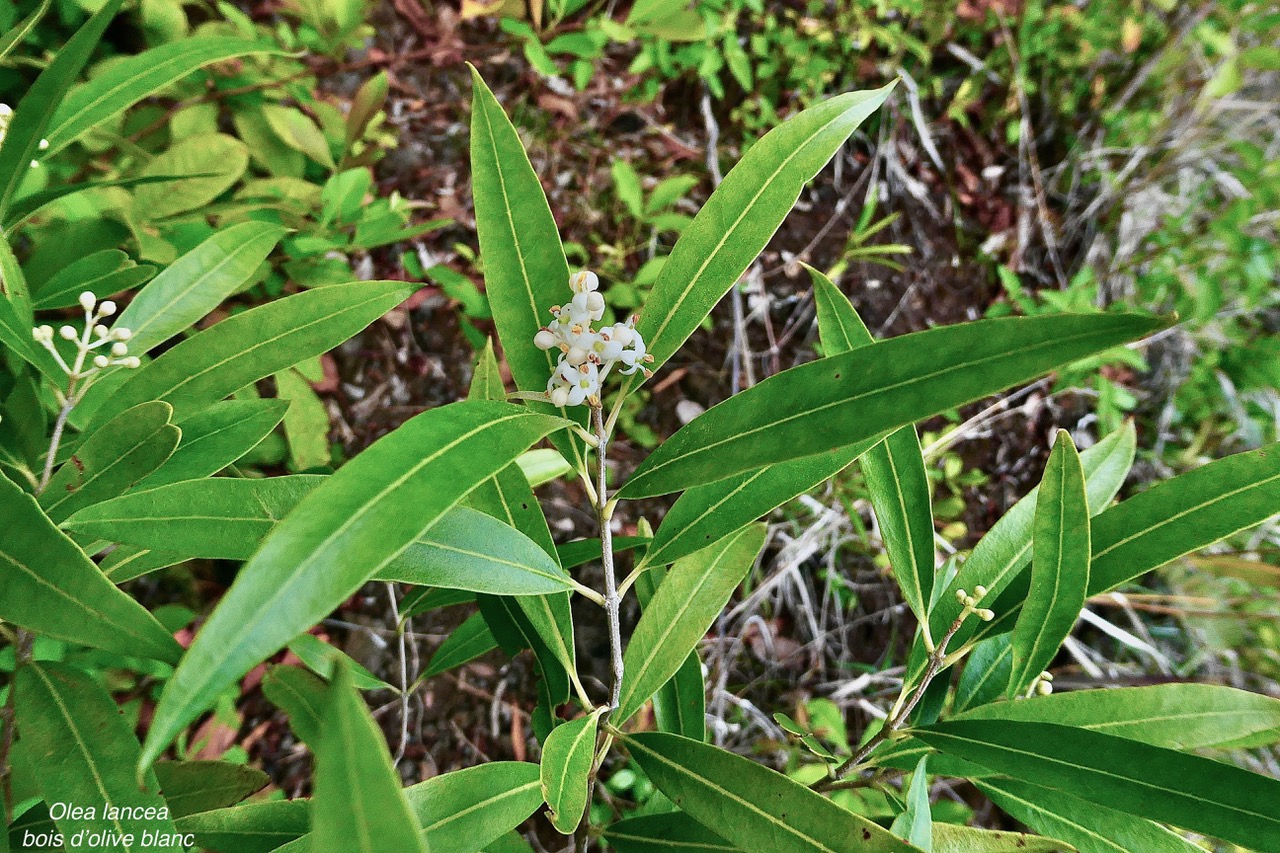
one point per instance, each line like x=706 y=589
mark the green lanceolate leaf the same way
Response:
x=359 y=805
x=197 y=282
x=49 y=586
x=37 y=107
x=1059 y=566
x=134 y=78
x=683 y=608
x=525 y=269
x=112 y=459
x=249 y=828
x=466 y=810
x=665 y=833
x=190 y=787
x=915 y=823
x=896 y=479
x=1089 y=827
x=301 y=695
x=468 y=641
x=127 y=562
x=250 y=346
x=18 y=34
x=103 y=274
x=1177 y=716
x=1005 y=550
x=1195 y=793
x=864 y=394
x=424 y=599
x=582 y=551
x=949 y=838
x=486 y=381
x=680 y=705
x=222 y=518
x=987 y=669
x=216 y=438
x=341 y=535
x=752 y=806
x=742 y=215
x=75 y=734
x=321 y=658
x=567 y=757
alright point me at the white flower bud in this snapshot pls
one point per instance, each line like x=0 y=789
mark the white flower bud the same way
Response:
x=132 y=362
x=121 y=333
x=576 y=356
x=584 y=282
x=985 y=615
x=1044 y=688
x=101 y=361
x=107 y=308
x=979 y=591
x=119 y=349
x=560 y=396
x=88 y=300
x=67 y=333
x=44 y=145
x=544 y=340
x=101 y=331
x=961 y=595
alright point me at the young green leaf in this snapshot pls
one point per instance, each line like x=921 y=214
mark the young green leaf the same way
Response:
x=133 y=78
x=567 y=757
x=359 y=805
x=249 y=828
x=190 y=787
x=896 y=479
x=915 y=823
x=742 y=215
x=750 y=805
x=665 y=833
x=1059 y=566
x=49 y=586
x=1177 y=716
x=468 y=641
x=340 y=536
x=688 y=601
x=240 y=350
x=525 y=269
x=1188 y=791
x=680 y=705
x=84 y=748
x=216 y=438
x=197 y=282
x=869 y=392
x=112 y=459
x=1090 y=827
x=38 y=105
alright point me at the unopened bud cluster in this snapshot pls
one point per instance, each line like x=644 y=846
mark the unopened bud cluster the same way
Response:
x=93 y=338
x=1041 y=685
x=6 y=115
x=970 y=603
x=587 y=355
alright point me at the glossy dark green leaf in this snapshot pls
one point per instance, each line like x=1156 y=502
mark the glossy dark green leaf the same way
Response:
x=359 y=804
x=1090 y=827
x=525 y=269
x=680 y=705
x=1188 y=791
x=240 y=350
x=987 y=669
x=249 y=828
x=683 y=608
x=190 y=787
x=49 y=586
x=216 y=438
x=664 y=833
x=196 y=283
x=1059 y=566
x=112 y=459
x=467 y=642
x=301 y=695
x=742 y=215
x=567 y=757
x=750 y=805
x=134 y=78
x=85 y=750
x=1177 y=716
x=339 y=536
x=37 y=107
x=894 y=469
x=869 y=392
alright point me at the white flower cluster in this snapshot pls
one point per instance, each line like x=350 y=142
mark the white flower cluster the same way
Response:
x=587 y=355
x=95 y=335
x=6 y=115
